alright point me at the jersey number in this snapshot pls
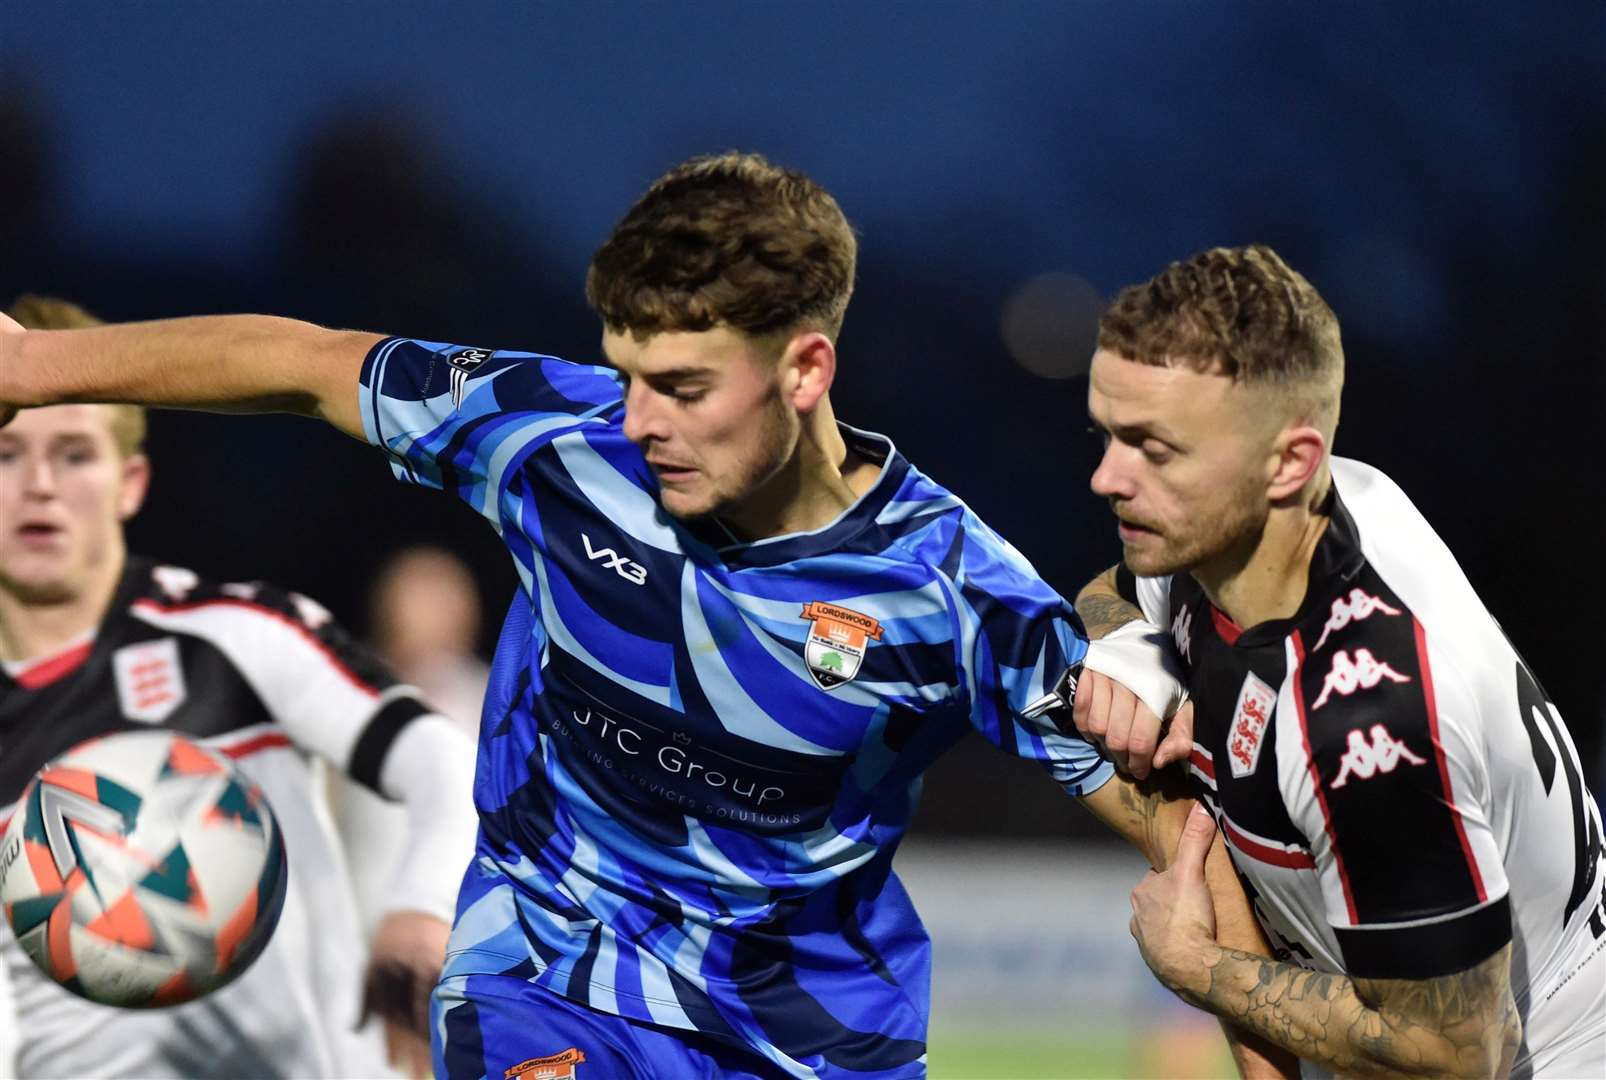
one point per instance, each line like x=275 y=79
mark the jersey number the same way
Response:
x=1551 y=746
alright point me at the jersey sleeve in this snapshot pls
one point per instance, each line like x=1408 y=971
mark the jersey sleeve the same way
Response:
x=1016 y=637
x=330 y=695
x=1397 y=803
x=333 y=698
x=1151 y=595
x=463 y=420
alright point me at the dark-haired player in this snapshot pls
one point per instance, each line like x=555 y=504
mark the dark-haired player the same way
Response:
x=744 y=630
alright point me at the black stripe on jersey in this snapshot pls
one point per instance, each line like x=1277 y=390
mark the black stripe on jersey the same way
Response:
x=1372 y=730
x=1126 y=583
x=1430 y=950
x=368 y=756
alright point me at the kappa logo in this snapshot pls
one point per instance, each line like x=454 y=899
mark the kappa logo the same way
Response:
x=150 y=680
x=1353 y=608
x=564 y=1066
x=632 y=572
x=1365 y=760
x=464 y=362
x=1256 y=699
x=1182 y=633
x=1362 y=673
x=312 y=613
x=836 y=642
x=175 y=581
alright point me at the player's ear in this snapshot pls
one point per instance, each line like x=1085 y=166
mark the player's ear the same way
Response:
x=808 y=366
x=134 y=483
x=1300 y=450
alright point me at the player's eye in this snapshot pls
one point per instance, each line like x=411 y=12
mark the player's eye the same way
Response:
x=683 y=392
x=1156 y=452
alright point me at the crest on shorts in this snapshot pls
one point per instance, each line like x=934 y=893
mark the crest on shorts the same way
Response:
x=150 y=680
x=836 y=642
x=562 y=1066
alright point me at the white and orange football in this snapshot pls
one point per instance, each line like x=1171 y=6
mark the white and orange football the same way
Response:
x=142 y=869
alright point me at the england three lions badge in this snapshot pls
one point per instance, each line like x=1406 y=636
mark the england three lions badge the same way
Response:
x=1256 y=699
x=150 y=680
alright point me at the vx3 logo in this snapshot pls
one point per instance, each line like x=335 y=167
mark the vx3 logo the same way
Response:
x=632 y=572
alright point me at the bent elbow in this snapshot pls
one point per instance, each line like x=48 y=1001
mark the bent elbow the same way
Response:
x=1494 y=1056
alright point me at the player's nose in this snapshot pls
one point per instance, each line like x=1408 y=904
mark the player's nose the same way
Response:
x=1109 y=480
x=644 y=417
x=38 y=478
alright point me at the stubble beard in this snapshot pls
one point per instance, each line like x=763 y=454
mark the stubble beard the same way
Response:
x=1230 y=532
x=748 y=483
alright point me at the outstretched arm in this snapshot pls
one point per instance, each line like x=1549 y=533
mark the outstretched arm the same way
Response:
x=223 y=363
x=1461 y=1024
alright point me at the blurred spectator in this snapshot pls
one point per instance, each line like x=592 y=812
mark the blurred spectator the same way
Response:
x=424 y=622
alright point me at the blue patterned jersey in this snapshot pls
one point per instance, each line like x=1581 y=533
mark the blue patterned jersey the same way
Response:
x=697 y=757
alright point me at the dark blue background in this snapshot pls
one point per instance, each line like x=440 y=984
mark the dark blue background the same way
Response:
x=1439 y=172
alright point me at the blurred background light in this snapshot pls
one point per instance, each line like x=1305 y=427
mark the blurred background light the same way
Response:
x=1050 y=324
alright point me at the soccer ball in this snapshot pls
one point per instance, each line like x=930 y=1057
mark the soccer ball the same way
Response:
x=142 y=869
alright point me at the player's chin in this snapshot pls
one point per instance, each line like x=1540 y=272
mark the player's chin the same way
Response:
x=1151 y=558
x=36 y=580
x=686 y=505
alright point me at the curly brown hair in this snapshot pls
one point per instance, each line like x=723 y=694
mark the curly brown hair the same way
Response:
x=726 y=239
x=49 y=313
x=1241 y=312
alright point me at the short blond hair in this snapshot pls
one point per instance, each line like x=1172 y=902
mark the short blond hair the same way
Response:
x=1242 y=312
x=51 y=313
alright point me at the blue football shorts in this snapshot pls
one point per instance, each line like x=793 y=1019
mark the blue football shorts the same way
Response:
x=503 y=1027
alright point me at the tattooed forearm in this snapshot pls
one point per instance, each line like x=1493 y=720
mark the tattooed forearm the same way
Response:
x=1101 y=613
x=1140 y=804
x=1101 y=607
x=1148 y=813
x=1464 y=1024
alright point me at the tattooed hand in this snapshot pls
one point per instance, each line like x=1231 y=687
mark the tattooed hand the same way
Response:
x=1173 y=916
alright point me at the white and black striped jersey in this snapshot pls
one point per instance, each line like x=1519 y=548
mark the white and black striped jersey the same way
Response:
x=266 y=677
x=1399 y=795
